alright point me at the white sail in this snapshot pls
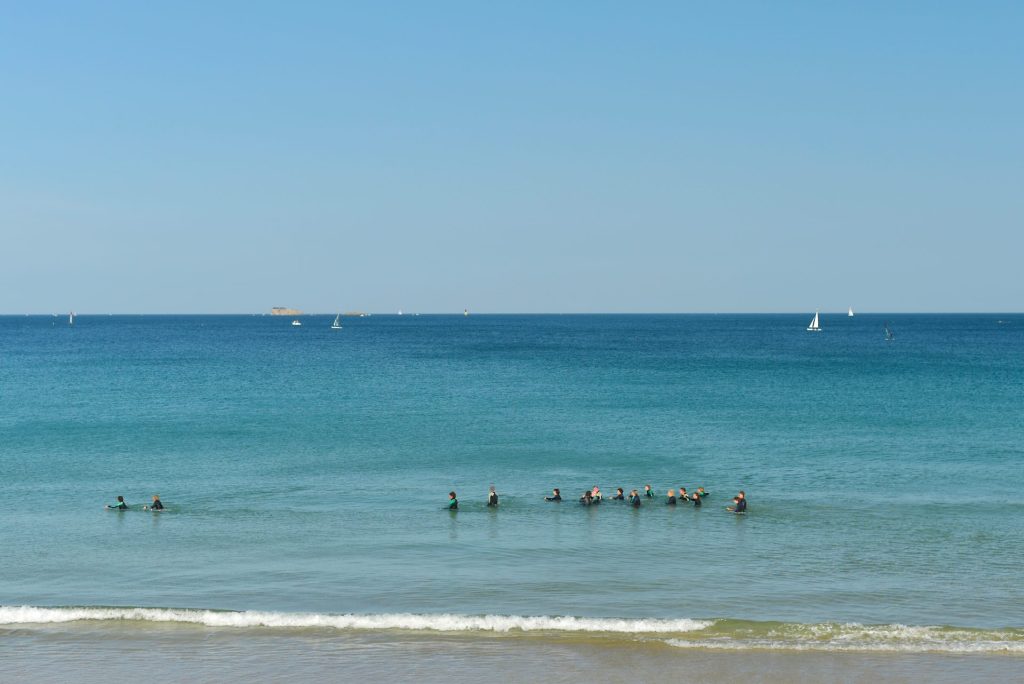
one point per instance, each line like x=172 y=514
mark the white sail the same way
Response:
x=71 y=318
x=337 y=323
x=850 y=312
x=814 y=327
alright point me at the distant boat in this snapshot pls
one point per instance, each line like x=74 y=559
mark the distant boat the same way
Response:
x=814 y=327
x=399 y=312
x=336 y=325
x=465 y=312
x=71 y=318
x=889 y=336
x=296 y=322
x=850 y=312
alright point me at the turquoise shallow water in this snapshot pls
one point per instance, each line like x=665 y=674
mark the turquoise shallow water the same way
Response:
x=305 y=472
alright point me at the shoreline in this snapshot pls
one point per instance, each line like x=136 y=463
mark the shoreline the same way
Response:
x=170 y=653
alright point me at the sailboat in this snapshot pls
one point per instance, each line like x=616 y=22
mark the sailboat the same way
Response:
x=814 y=327
x=889 y=336
x=296 y=322
x=336 y=325
x=850 y=312
x=71 y=318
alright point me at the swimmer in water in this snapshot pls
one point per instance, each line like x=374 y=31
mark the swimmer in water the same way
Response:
x=618 y=495
x=453 y=503
x=157 y=505
x=648 y=492
x=120 y=505
x=683 y=496
x=587 y=499
x=695 y=498
x=492 y=497
x=739 y=503
x=634 y=499
x=701 y=492
x=556 y=495
x=671 y=501
x=596 y=493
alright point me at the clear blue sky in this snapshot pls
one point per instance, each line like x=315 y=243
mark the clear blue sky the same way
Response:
x=511 y=156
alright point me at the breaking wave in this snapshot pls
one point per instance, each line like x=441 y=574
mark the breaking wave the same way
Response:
x=679 y=633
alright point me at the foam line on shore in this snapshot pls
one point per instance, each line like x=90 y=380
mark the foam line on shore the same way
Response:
x=679 y=633
x=441 y=622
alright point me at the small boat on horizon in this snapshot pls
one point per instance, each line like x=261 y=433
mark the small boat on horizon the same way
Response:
x=296 y=322
x=814 y=326
x=337 y=323
x=850 y=312
x=71 y=318
x=889 y=335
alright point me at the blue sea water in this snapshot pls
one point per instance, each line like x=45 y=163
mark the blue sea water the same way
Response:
x=306 y=470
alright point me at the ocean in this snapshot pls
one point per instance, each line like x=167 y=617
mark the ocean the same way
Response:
x=306 y=474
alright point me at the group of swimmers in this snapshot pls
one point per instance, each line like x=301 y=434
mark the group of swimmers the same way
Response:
x=593 y=496
x=122 y=505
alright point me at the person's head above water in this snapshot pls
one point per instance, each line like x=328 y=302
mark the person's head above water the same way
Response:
x=156 y=497
x=451 y=495
x=619 y=490
x=647 y=487
x=557 y=491
x=120 y=499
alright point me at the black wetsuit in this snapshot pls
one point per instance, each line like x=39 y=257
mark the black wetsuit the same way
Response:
x=635 y=501
x=157 y=506
x=556 y=497
x=696 y=501
x=671 y=501
x=741 y=506
x=492 y=500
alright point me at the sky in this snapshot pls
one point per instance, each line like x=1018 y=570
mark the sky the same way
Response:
x=198 y=157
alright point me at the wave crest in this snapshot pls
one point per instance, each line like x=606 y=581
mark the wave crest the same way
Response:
x=680 y=633
x=442 y=622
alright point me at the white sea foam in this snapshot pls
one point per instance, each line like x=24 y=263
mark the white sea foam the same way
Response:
x=443 y=622
x=858 y=637
x=683 y=633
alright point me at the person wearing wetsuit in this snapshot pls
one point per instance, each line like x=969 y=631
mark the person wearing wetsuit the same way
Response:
x=648 y=492
x=739 y=504
x=671 y=498
x=696 y=500
x=634 y=499
x=157 y=505
x=618 y=495
x=587 y=499
x=557 y=495
x=701 y=492
x=453 y=503
x=492 y=497
x=683 y=496
x=120 y=505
